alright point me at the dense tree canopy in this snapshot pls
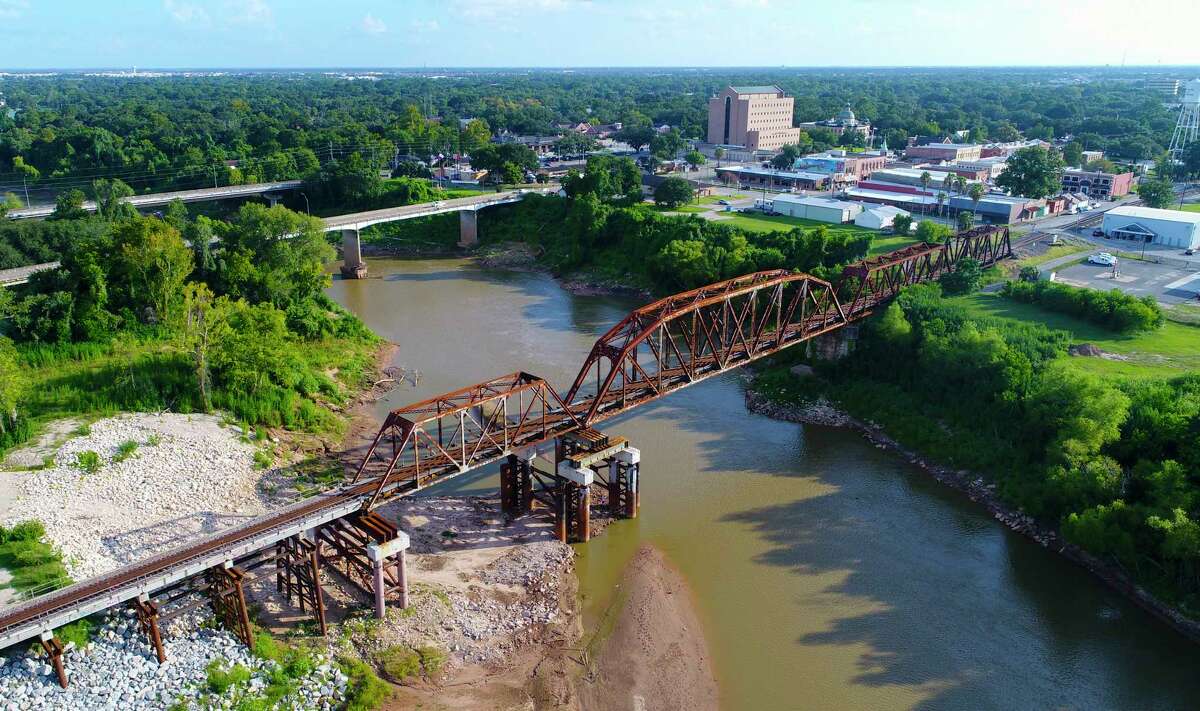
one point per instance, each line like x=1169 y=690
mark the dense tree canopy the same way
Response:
x=1033 y=172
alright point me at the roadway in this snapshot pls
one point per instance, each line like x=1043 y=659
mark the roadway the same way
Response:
x=157 y=199
x=361 y=220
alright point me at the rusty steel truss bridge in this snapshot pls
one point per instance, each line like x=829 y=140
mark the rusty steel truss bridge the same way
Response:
x=514 y=419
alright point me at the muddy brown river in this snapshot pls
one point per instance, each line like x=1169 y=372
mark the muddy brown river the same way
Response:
x=829 y=574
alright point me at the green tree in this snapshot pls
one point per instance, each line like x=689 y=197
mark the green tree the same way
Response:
x=110 y=198
x=1033 y=172
x=8 y=202
x=574 y=143
x=13 y=382
x=1073 y=154
x=511 y=173
x=965 y=219
x=476 y=133
x=933 y=232
x=204 y=319
x=965 y=278
x=272 y=254
x=637 y=136
x=1156 y=192
x=148 y=268
x=347 y=182
x=1191 y=159
x=69 y=206
x=976 y=193
x=493 y=156
x=695 y=159
x=719 y=153
x=667 y=145
x=786 y=158
x=902 y=224
x=608 y=177
x=672 y=192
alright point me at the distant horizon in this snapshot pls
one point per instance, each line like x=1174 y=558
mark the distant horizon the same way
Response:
x=613 y=34
x=568 y=68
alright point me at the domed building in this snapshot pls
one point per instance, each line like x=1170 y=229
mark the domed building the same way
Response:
x=844 y=121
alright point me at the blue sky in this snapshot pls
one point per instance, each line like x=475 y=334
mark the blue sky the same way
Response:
x=414 y=33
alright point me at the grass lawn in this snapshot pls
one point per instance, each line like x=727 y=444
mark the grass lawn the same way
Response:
x=1054 y=252
x=1167 y=352
x=1191 y=207
x=889 y=243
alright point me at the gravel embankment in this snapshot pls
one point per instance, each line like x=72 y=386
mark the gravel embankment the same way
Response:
x=118 y=670
x=188 y=477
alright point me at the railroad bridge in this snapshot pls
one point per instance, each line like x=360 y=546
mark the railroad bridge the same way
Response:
x=552 y=458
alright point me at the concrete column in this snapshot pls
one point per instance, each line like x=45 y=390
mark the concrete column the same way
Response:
x=402 y=578
x=377 y=586
x=353 y=266
x=468 y=228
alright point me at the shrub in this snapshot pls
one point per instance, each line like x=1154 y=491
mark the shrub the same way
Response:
x=1114 y=310
x=88 y=461
x=365 y=691
x=432 y=659
x=220 y=680
x=125 y=450
x=399 y=663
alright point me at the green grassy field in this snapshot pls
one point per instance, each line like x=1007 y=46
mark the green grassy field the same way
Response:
x=1191 y=207
x=1167 y=352
x=1054 y=252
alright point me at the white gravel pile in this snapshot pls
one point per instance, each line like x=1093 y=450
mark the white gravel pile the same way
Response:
x=118 y=670
x=188 y=477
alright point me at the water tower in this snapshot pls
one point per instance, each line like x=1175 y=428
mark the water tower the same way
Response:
x=1187 y=130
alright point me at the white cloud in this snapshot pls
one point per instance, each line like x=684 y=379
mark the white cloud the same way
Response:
x=501 y=9
x=249 y=12
x=425 y=26
x=373 y=25
x=12 y=9
x=185 y=13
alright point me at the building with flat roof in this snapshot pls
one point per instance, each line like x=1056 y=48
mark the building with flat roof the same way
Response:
x=844 y=121
x=1096 y=184
x=842 y=164
x=1169 y=228
x=755 y=117
x=750 y=177
x=816 y=208
x=949 y=152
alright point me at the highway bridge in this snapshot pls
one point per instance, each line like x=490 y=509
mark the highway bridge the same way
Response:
x=350 y=224
x=159 y=199
x=549 y=451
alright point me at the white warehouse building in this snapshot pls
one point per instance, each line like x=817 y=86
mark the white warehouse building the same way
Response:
x=1169 y=228
x=877 y=217
x=816 y=208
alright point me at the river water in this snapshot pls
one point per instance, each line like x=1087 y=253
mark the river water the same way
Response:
x=828 y=574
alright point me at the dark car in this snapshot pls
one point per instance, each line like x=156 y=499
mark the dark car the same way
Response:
x=1189 y=252
x=1097 y=233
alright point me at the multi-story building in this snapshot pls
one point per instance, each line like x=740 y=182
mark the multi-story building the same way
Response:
x=1166 y=87
x=949 y=152
x=1097 y=185
x=844 y=121
x=755 y=117
x=843 y=165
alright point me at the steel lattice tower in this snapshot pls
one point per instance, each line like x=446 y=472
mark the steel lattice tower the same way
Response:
x=1187 y=129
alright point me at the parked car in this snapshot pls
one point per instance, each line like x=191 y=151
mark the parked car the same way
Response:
x=1102 y=258
x=1097 y=233
x=722 y=202
x=1189 y=251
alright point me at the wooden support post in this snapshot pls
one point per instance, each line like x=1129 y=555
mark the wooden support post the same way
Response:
x=377 y=568
x=54 y=649
x=229 y=600
x=560 y=511
x=147 y=613
x=584 y=530
x=402 y=578
x=508 y=485
x=314 y=557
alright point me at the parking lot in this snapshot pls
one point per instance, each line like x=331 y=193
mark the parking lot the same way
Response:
x=1166 y=284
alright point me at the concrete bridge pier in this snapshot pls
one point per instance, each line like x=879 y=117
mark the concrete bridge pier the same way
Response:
x=353 y=266
x=389 y=554
x=468 y=228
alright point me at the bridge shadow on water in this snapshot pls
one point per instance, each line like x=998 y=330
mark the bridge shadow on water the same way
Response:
x=952 y=608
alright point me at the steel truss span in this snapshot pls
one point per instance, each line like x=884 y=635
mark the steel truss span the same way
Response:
x=655 y=350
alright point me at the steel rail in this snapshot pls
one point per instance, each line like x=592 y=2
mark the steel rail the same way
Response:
x=406 y=474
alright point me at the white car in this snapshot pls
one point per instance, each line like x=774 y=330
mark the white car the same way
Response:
x=1102 y=258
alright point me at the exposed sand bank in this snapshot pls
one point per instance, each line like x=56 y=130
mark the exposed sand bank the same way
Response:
x=656 y=656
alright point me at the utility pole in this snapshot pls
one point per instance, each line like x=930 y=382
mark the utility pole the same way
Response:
x=25 y=185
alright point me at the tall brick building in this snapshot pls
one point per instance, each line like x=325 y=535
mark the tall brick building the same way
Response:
x=756 y=117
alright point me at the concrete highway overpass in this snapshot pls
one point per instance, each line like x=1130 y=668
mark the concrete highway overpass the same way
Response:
x=159 y=199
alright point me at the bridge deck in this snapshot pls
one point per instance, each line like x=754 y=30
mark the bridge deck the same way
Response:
x=729 y=326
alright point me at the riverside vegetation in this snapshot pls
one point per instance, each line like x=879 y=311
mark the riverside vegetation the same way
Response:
x=1109 y=456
